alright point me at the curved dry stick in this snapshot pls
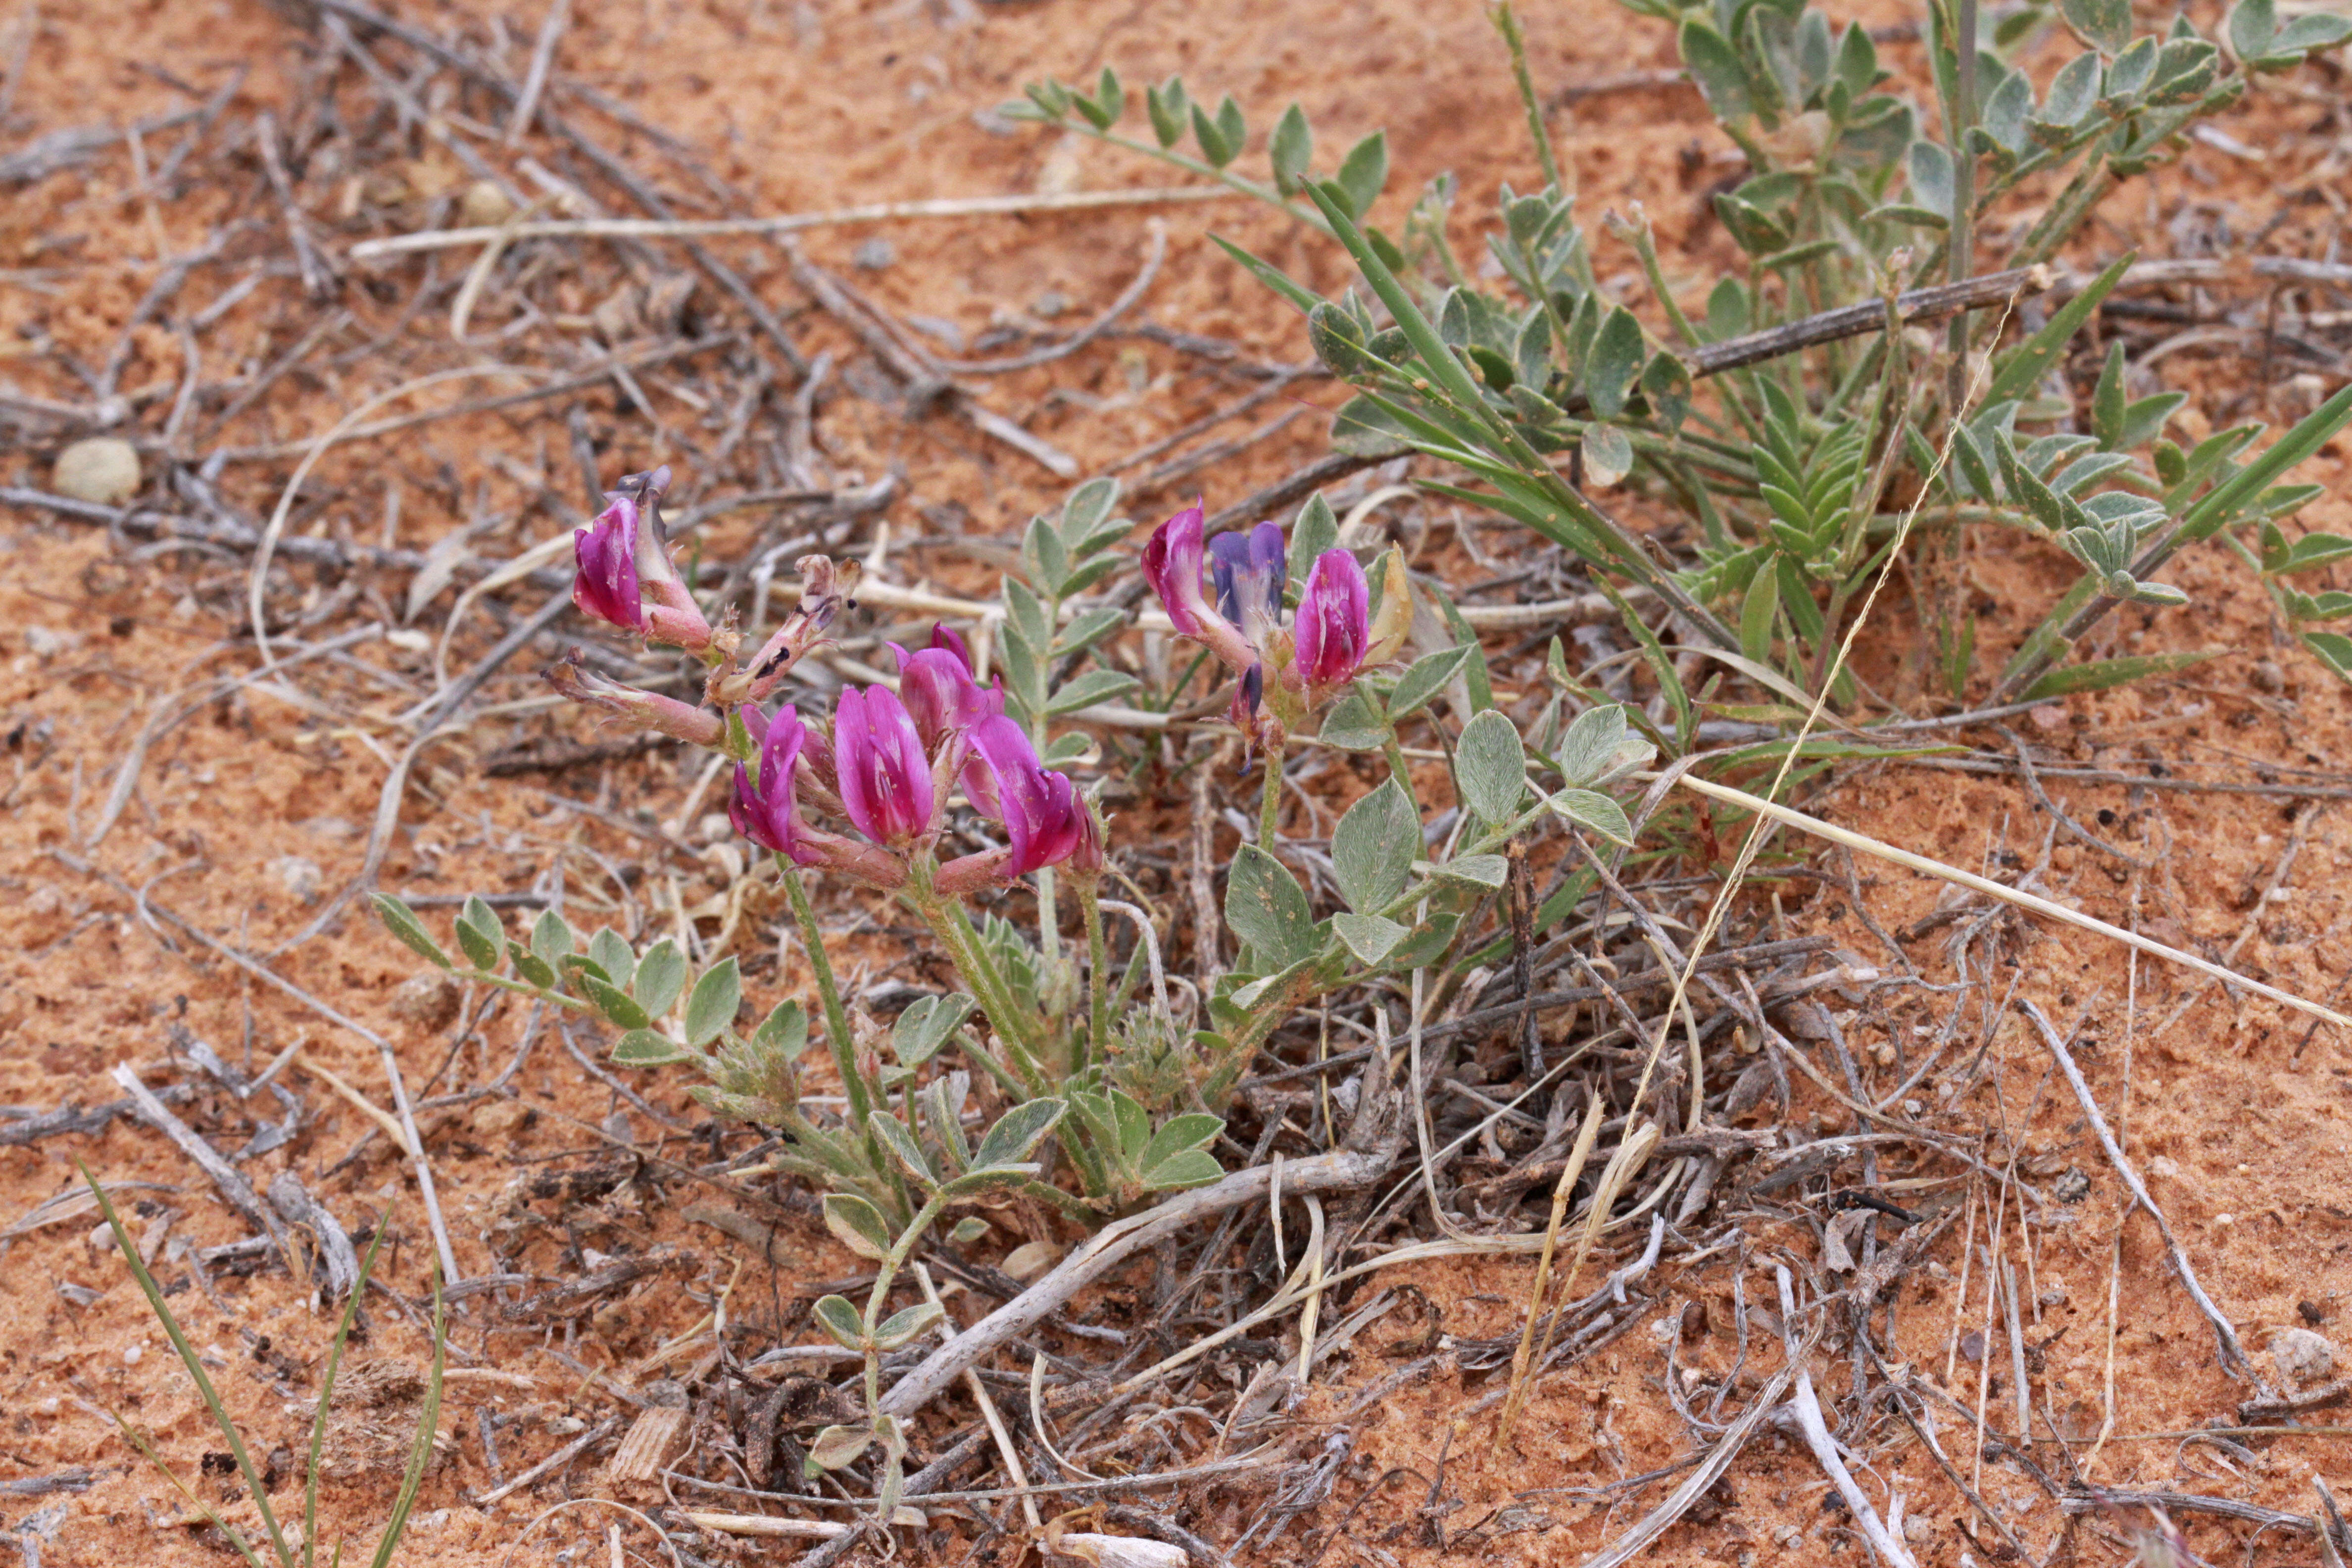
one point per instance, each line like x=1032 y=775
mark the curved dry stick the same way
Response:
x=1336 y=1172
x=268 y=543
x=2233 y=1355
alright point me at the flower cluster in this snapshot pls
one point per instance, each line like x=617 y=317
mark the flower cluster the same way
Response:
x=889 y=767
x=1329 y=642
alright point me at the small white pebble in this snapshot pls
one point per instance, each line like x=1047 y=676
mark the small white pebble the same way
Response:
x=2225 y=1219
x=132 y=1354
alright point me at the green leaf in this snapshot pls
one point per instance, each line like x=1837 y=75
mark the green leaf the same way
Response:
x=533 y=969
x=1424 y=680
x=1211 y=134
x=2100 y=674
x=892 y=1135
x=1716 y=66
x=1292 y=149
x=402 y=922
x=1490 y=767
x=481 y=936
x=1362 y=173
x=609 y=952
x=1364 y=428
x=1370 y=937
x=1596 y=743
x=615 y=1003
x=552 y=938
x=2308 y=553
x=647 y=1049
x=1017 y=1133
x=1167 y=105
x=785 y=1031
x=1194 y=1129
x=1185 y=1168
x=2333 y=649
x=711 y=1009
x=2105 y=24
x=661 y=975
x=1484 y=870
x=1315 y=531
x=1353 y=725
x=1267 y=909
x=858 y=1225
x=1591 y=809
x=905 y=1325
x=1608 y=456
x=839 y=1446
x=838 y=1317
x=1374 y=847
x=925 y=1024
x=1273 y=278
x=1759 y=613
x=1615 y=359
x=1096 y=686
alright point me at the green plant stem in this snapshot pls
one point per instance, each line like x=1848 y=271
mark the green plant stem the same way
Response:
x=1964 y=167
x=1225 y=177
x=1097 y=975
x=1508 y=26
x=1269 y=808
x=525 y=988
x=1013 y=1023
x=836 y=1018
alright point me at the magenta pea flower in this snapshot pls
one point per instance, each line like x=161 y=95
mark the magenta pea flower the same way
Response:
x=767 y=810
x=1172 y=559
x=625 y=576
x=1330 y=643
x=884 y=771
x=1333 y=630
x=1046 y=823
x=937 y=686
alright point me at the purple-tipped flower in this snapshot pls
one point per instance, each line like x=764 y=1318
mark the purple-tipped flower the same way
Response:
x=768 y=812
x=885 y=774
x=1042 y=816
x=1172 y=559
x=1333 y=630
x=1248 y=569
x=625 y=576
x=939 y=694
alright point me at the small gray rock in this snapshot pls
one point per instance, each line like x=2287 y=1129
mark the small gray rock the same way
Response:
x=874 y=255
x=2302 y=1357
x=103 y=470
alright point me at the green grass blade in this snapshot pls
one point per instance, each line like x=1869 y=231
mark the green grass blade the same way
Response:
x=327 y=1395
x=2311 y=433
x=237 y=1538
x=2032 y=359
x=1271 y=276
x=428 y=1424
x=195 y=1368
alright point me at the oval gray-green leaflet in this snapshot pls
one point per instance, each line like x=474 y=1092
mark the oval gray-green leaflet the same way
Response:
x=1490 y=767
x=711 y=1008
x=402 y=922
x=838 y=1445
x=902 y=1326
x=1608 y=456
x=1374 y=847
x=857 y=1226
x=838 y=1317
